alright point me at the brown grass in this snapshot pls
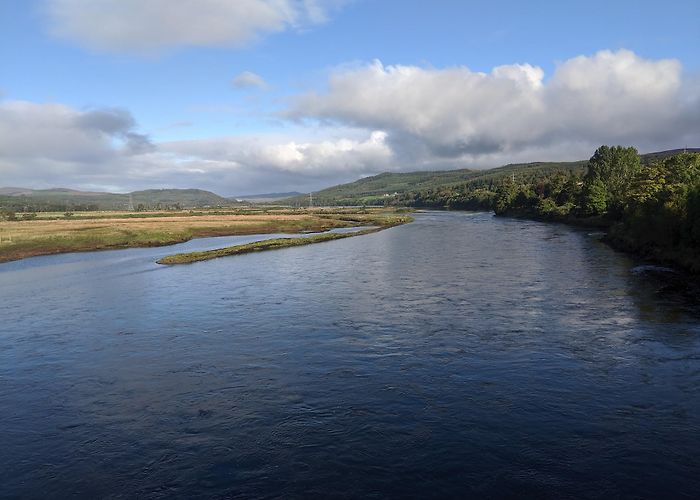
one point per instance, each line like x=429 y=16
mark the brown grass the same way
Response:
x=20 y=239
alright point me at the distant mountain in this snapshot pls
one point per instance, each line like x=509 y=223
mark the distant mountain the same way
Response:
x=265 y=197
x=60 y=199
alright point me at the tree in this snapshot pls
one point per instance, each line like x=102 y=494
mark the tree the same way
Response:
x=616 y=167
x=594 y=197
x=505 y=194
x=692 y=222
x=649 y=183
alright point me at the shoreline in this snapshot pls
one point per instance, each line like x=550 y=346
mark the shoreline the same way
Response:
x=679 y=258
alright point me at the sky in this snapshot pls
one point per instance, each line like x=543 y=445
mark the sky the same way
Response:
x=257 y=96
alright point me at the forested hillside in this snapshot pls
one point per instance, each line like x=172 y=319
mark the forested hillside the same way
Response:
x=427 y=188
x=459 y=189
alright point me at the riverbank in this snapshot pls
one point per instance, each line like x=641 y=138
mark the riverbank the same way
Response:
x=680 y=257
x=617 y=237
x=98 y=231
x=277 y=243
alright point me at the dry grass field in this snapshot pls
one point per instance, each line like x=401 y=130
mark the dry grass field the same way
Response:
x=100 y=230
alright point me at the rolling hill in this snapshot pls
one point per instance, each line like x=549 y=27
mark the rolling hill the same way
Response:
x=377 y=189
x=61 y=199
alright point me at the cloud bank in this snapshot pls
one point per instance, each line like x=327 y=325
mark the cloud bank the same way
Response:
x=59 y=133
x=456 y=113
x=373 y=118
x=49 y=145
x=140 y=26
x=53 y=144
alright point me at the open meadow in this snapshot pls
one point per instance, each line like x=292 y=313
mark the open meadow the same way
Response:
x=51 y=233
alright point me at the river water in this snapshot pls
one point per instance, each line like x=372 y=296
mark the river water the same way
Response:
x=461 y=354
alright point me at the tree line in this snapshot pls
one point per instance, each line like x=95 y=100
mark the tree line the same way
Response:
x=653 y=208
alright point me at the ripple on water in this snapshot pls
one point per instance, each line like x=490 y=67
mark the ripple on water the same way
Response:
x=458 y=355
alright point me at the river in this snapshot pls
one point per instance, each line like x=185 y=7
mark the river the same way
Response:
x=461 y=354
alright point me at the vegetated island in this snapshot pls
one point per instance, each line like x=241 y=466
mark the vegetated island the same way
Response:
x=31 y=234
x=278 y=243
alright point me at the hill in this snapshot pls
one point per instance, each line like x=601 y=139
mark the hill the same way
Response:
x=660 y=155
x=62 y=199
x=407 y=187
x=377 y=189
x=186 y=198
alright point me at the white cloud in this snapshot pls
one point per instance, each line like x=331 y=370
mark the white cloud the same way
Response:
x=372 y=118
x=61 y=133
x=45 y=145
x=311 y=159
x=248 y=79
x=458 y=114
x=52 y=144
x=153 y=25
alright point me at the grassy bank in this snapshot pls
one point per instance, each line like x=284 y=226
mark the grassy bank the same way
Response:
x=278 y=243
x=97 y=231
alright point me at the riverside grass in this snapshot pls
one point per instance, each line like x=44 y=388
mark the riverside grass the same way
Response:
x=277 y=243
x=104 y=230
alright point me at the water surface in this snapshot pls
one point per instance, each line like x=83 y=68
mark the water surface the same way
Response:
x=458 y=355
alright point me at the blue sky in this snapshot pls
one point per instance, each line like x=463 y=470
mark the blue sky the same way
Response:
x=321 y=108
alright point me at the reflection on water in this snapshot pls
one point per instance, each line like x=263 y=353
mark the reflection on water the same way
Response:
x=460 y=354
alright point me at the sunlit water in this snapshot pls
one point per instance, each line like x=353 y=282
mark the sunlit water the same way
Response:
x=458 y=355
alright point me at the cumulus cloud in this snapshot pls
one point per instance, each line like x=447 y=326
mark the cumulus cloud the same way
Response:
x=154 y=25
x=45 y=145
x=248 y=79
x=456 y=113
x=372 y=118
x=305 y=158
x=43 y=142
x=62 y=133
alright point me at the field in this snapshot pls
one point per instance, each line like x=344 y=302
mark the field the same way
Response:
x=52 y=233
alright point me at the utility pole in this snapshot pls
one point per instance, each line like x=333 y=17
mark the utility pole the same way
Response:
x=311 y=200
